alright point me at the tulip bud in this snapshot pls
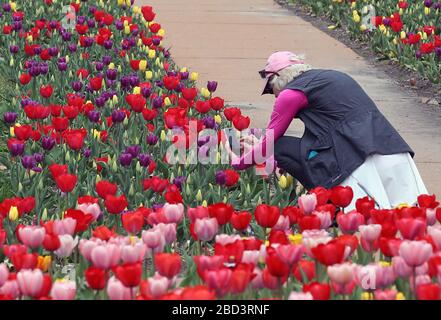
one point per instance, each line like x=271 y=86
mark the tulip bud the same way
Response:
x=136 y=90
x=248 y=188
x=204 y=203
x=40 y=185
x=205 y=93
x=97 y=179
x=44 y=215
x=199 y=195
x=13 y=213
x=161 y=32
x=152 y=54
x=259 y=200
x=148 y=75
x=218 y=119
x=114 y=166
x=111 y=65
x=426 y=11
x=131 y=190
x=187 y=189
x=290 y=179
x=225 y=200
x=188 y=180
x=138 y=167
x=11 y=62
x=167 y=102
x=142 y=65
x=67 y=157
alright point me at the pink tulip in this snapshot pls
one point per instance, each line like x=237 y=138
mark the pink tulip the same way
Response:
x=154 y=240
x=421 y=279
x=10 y=287
x=325 y=218
x=415 y=253
x=67 y=245
x=257 y=282
x=374 y=276
x=90 y=208
x=387 y=294
x=30 y=282
x=369 y=234
x=282 y=223
x=251 y=256
x=32 y=236
x=289 y=253
x=431 y=216
x=218 y=280
x=105 y=256
x=225 y=239
x=65 y=226
x=206 y=228
x=204 y=263
x=63 y=290
x=411 y=228
x=435 y=233
x=342 y=273
x=300 y=296
x=174 y=213
x=349 y=222
x=86 y=246
x=400 y=267
x=197 y=213
x=422 y=269
x=168 y=230
x=117 y=291
x=4 y=273
x=133 y=252
x=307 y=202
x=312 y=238
x=158 y=285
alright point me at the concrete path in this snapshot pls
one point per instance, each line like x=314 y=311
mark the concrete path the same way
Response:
x=229 y=40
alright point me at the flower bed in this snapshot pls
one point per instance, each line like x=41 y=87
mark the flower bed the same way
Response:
x=99 y=211
x=404 y=31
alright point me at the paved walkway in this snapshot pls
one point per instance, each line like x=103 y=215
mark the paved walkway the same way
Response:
x=229 y=41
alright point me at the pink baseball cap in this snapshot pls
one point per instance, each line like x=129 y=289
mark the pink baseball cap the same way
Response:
x=276 y=62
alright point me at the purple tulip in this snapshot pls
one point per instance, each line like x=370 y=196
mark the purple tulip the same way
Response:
x=62 y=66
x=179 y=181
x=37 y=169
x=157 y=102
x=185 y=75
x=47 y=143
x=212 y=86
x=14 y=49
x=428 y=3
x=39 y=157
x=16 y=149
x=87 y=153
x=94 y=116
x=91 y=23
x=125 y=159
x=221 y=177
x=66 y=36
x=133 y=150
x=10 y=117
x=438 y=52
x=53 y=24
x=418 y=54
x=6 y=7
x=144 y=159
x=118 y=116
x=77 y=85
x=146 y=92
x=108 y=44
x=72 y=47
x=107 y=60
x=156 y=41
x=119 y=25
x=152 y=139
x=437 y=6
x=81 y=19
x=28 y=162
x=111 y=74
x=99 y=66
x=209 y=122
x=53 y=51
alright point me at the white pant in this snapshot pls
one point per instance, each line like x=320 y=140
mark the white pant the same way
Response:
x=389 y=179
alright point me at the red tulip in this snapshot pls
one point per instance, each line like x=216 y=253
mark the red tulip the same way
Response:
x=232 y=252
x=216 y=103
x=170 y=82
x=129 y=274
x=115 y=204
x=221 y=211
x=309 y=222
x=46 y=287
x=147 y=13
x=136 y=101
x=75 y=138
x=24 y=260
x=197 y=293
x=349 y=222
x=319 y=291
x=46 y=91
x=267 y=216
x=411 y=228
x=304 y=271
x=271 y=282
x=167 y=264
x=36 y=112
x=293 y=213
x=364 y=206
x=329 y=253
x=231 y=177
x=66 y=182
x=51 y=242
x=83 y=219
x=189 y=93
x=149 y=114
x=278 y=236
x=427 y=201
x=96 y=278
x=341 y=196
x=240 y=220
x=105 y=188
x=241 y=122
x=231 y=113
x=60 y=123
x=71 y=112
x=428 y=291
x=96 y=83
x=241 y=278
x=132 y=221
x=276 y=266
x=25 y=78
x=202 y=106
x=103 y=233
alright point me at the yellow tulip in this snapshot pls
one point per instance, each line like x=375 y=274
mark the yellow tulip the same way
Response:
x=400 y=296
x=403 y=35
x=204 y=203
x=136 y=9
x=163 y=135
x=295 y=238
x=283 y=183
x=142 y=65
x=161 y=32
x=127 y=30
x=205 y=93
x=194 y=76
x=13 y=213
x=152 y=54
x=111 y=65
x=426 y=11
x=367 y=296
x=148 y=75
x=120 y=2
x=13 y=6
x=184 y=69
x=363 y=28
x=218 y=119
x=167 y=102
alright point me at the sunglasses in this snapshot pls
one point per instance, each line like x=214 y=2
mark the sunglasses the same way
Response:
x=264 y=73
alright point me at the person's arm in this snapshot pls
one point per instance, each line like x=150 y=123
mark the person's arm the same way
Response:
x=287 y=105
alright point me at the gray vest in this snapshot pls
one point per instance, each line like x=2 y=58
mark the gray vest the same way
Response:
x=343 y=125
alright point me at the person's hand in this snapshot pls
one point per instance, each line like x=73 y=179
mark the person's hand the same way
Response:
x=248 y=142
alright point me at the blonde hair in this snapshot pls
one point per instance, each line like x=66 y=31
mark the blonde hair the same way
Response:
x=286 y=75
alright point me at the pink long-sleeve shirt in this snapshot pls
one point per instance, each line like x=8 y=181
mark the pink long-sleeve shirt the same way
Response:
x=288 y=103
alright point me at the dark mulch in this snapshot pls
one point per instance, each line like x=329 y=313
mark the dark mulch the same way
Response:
x=427 y=91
